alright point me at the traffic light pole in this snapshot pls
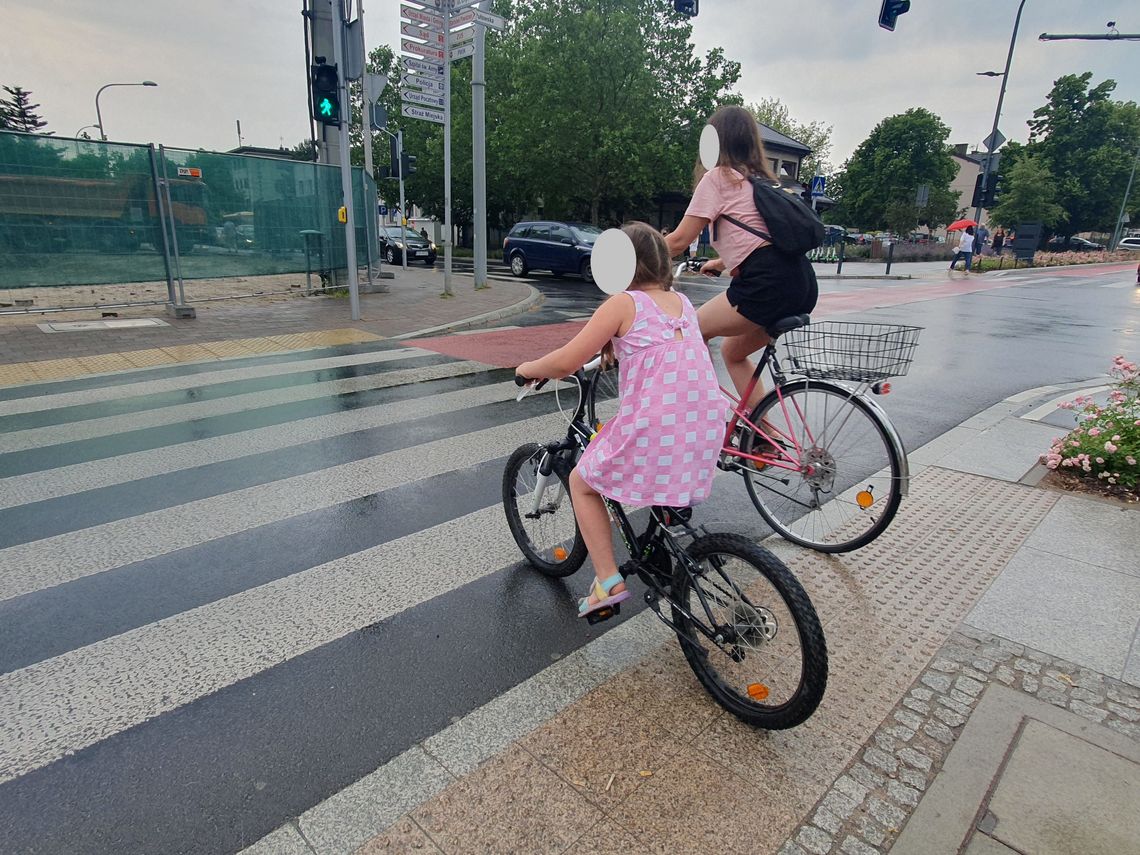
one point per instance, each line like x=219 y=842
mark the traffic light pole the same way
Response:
x=403 y=213
x=1119 y=230
x=997 y=112
x=479 y=152
x=338 y=27
x=446 y=10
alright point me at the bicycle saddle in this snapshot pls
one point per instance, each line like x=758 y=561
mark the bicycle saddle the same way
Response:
x=784 y=325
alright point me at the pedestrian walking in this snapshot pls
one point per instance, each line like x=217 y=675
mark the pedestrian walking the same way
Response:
x=767 y=284
x=999 y=240
x=980 y=240
x=661 y=448
x=965 y=248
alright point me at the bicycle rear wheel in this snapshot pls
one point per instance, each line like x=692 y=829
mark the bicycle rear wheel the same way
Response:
x=542 y=525
x=849 y=482
x=602 y=405
x=771 y=668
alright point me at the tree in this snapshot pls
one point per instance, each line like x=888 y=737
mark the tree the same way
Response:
x=1087 y=142
x=815 y=135
x=880 y=182
x=1029 y=194
x=17 y=113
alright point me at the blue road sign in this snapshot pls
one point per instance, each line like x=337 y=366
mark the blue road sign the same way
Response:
x=818 y=185
x=383 y=210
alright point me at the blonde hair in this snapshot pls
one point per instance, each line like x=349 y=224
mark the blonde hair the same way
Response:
x=741 y=146
x=654 y=267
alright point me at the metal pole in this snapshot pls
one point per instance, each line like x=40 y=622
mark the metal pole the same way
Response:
x=839 y=267
x=997 y=112
x=370 y=210
x=338 y=25
x=403 y=213
x=447 y=292
x=890 y=256
x=161 y=214
x=479 y=152
x=173 y=227
x=98 y=115
x=1123 y=204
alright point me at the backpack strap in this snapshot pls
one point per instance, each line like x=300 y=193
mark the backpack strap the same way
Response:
x=746 y=227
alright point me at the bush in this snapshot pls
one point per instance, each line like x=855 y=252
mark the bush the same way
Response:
x=1105 y=444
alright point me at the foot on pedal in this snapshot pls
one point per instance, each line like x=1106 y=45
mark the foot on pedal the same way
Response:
x=603 y=614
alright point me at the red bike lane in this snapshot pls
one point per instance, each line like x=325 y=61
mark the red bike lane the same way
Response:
x=506 y=348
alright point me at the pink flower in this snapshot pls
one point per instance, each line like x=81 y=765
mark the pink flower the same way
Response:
x=1109 y=447
x=1116 y=438
x=1094 y=431
x=1100 y=460
x=1130 y=460
x=1066 y=405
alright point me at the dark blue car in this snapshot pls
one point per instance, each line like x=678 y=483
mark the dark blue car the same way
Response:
x=545 y=245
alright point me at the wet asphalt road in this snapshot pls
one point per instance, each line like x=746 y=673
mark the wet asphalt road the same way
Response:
x=226 y=598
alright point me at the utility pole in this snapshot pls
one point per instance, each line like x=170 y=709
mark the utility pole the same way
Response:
x=997 y=113
x=1123 y=204
x=447 y=291
x=338 y=33
x=403 y=213
x=479 y=151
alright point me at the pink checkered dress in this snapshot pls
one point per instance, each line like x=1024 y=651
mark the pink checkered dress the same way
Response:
x=662 y=446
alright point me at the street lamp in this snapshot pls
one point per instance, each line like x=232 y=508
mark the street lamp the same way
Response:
x=997 y=113
x=99 y=116
x=81 y=130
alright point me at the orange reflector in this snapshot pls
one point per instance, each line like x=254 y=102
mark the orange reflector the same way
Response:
x=864 y=499
x=560 y=553
x=757 y=691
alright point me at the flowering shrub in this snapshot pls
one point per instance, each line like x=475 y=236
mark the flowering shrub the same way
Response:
x=1106 y=441
x=1054 y=259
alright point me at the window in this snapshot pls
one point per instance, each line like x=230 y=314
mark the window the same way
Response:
x=520 y=231
x=559 y=233
x=788 y=168
x=774 y=165
x=539 y=232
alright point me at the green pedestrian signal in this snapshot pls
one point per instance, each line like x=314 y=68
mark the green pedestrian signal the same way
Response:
x=325 y=86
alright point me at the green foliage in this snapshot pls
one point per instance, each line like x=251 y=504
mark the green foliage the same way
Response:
x=18 y=113
x=1029 y=194
x=1087 y=142
x=815 y=135
x=880 y=182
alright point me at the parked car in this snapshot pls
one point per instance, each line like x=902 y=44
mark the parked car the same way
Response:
x=559 y=247
x=1129 y=243
x=392 y=246
x=1073 y=244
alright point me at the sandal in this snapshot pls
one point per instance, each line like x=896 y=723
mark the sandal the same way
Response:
x=601 y=590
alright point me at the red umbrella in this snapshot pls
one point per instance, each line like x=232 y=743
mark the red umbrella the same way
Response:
x=960 y=224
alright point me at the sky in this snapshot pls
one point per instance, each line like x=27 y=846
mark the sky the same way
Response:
x=219 y=61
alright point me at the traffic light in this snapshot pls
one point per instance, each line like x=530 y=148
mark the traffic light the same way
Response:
x=393 y=159
x=976 y=199
x=688 y=8
x=326 y=94
x=890 y=12
x=407 y=164
x=992 y=195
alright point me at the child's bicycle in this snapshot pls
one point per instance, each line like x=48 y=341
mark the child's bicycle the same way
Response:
x=745 y=624
x=821 y=461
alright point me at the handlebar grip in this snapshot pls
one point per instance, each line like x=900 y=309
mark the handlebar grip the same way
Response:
x=522 y=381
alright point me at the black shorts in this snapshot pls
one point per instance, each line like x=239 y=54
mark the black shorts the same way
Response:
x=771 y=285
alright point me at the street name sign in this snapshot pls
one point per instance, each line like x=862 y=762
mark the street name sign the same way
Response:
x=421 y=49
x=411 y=96
x=459 y=37
x=420 y=33
x=414 y=112
x=429 y=84
x=487 y=19
x=413 y=65
x=463 y=51
x=410 y=13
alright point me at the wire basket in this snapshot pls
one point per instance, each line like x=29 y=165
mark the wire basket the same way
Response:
x=848 y=350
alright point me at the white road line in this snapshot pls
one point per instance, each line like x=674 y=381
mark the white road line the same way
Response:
x=23 y=440
x=133 y=389
x=62 y=705
x=39 y=486
x=1045 y=409
x=63 y=558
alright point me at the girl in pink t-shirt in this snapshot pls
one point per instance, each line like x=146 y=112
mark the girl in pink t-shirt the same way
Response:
x=767 y=284
x=662 y=446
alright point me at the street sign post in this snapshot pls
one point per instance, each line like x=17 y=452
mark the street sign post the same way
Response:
x=994 y=141
x=422 y=49
x=459 y=37
x=419 y=16
x=462 y=52
x=430 y=36
x=414 y=112
x=818 y=185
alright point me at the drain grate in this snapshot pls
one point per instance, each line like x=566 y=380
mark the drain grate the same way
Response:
x=109 y=324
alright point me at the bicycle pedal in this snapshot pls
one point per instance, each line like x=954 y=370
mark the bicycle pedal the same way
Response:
x=603 y=614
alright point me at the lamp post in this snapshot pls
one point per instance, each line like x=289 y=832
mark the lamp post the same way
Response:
x=997 y=112
x=99 y=116
x=81 y=130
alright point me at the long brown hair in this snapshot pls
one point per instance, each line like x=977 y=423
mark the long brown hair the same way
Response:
x=741 y=147
x=653 y=263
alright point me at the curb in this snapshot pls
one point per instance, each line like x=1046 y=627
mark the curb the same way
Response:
x=868 y=276
x=524 y=305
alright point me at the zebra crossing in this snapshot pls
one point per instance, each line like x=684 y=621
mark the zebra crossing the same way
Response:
x=228 y=591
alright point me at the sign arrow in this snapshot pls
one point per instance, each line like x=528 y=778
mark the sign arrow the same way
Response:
x=421 y=49
x=462 y=36
x=462 y=51
x=411 y=96
x=495 y=22
x=431 y=84
x=414 y=112
x=420 y=33
x=410 y=13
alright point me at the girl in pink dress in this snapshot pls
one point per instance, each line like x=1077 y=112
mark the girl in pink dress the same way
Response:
x=662 y=446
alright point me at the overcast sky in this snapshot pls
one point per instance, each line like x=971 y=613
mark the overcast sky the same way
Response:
x=217 y=61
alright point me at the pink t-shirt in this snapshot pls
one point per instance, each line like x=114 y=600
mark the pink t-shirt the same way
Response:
x=725 y=191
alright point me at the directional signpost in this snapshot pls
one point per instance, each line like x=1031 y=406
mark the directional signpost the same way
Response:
x=439 y=32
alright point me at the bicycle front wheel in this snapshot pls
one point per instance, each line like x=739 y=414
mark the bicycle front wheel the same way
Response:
x=540 y=515
x=847 y=484
x=769 y=668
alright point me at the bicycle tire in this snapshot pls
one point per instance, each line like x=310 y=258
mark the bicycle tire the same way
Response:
x=541 y=555
x=601 y=405
x=839 y=523
x=795 y=706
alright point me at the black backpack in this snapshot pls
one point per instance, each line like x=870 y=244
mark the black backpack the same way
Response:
x=793 y=227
